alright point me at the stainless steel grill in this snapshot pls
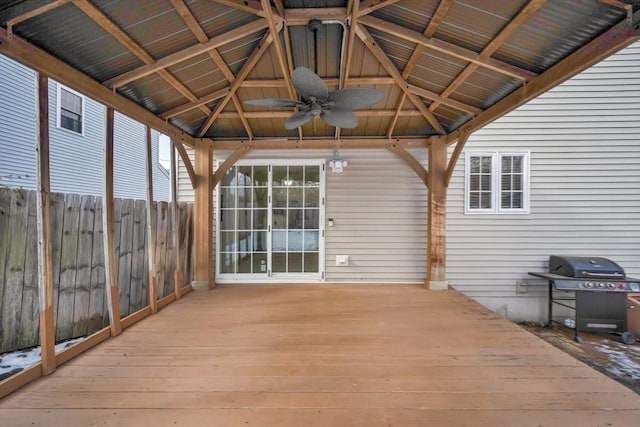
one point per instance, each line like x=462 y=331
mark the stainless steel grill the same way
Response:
x=594 y=289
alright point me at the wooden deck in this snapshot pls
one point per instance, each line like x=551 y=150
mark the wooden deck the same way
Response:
x=323 y=355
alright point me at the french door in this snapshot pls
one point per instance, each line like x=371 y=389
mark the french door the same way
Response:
x=270 y=222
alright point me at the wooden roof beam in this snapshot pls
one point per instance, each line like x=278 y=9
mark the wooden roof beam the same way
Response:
x=257 y=53
x=33 y=13
x=515 y=24
x=280 y=55
x=614 y=39
x=331 y=81
x=286 y=114
x=348 y=54
x=123 y=38
x=188 y=53
x=191 y=22
x=369 y=6
x=434 y=23
x=393 y=71
x=249 y=6
x=419 y=142
x=41 y=61
x=301 y=16
x=447 y=48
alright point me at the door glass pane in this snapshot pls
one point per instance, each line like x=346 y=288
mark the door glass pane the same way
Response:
x=260 y=241
x=260 y=196
x=295 y=262
x=245 y=176
x=227 y=198
x=312 y=176
x=228 y=241
x=227 y=262
x=260 y=176
x=260 y=219
x=279 y=241
x=244 y=262
x=279 y=218
x=227 y=219
x=244 y=241
x=244 y=197
x=279 y=262
x=296 y=175
x=311 y=197
x=311 y=242
x=279 y=197
x=295 y=218
x=311 y=218
x=295 y=241
x=229 y=177
x=295 y=197
x=260 y=263
x=279 y=176
x=244 y=219
x=311 y=264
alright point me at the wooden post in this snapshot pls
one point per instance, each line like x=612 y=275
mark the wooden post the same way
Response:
x=111 y=282
x=203 y=221
x=45 y=264
x=151 y=227
x=437 y=215
x=175 y=212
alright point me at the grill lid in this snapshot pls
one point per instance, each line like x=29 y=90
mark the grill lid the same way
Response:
x=585 y=267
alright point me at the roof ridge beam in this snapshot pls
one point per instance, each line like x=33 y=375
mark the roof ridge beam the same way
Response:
x=369 y=6
x=448 y=48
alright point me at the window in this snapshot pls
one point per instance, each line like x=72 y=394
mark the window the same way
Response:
x=496 y=182
x=70 y=110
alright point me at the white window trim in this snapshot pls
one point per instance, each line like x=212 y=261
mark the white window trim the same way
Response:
x=59 y=108
x=497 y=184
x=319 y=277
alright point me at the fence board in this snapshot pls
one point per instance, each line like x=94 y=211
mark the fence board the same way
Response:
x=161 y=240
x=14 y=271
x=30 y=313
x=138 y=261
x=5 y=211
x=98 y=316
x=124 y=259
x=57 y=222
x=168 y=256
x=83 y=267
x=68 y=268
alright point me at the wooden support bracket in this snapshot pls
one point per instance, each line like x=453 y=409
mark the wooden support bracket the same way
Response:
x=230 y=161
x=399 y=151
x=462 y=140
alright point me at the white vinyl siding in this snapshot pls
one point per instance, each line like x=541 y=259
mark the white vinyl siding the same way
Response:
x=378 y=207
x=584 y=143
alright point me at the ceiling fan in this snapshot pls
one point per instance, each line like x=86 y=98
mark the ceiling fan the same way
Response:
x=335 y=108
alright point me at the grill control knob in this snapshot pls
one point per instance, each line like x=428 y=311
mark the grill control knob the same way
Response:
x=600 y=285
x=611 y=285
x=588 y=285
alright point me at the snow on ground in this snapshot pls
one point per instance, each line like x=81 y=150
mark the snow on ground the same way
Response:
x=620 y=363
x=16 y=361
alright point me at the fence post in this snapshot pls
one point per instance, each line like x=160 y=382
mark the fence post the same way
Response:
x=151 y=237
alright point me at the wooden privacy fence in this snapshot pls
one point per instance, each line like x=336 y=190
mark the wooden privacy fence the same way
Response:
x=78 y=262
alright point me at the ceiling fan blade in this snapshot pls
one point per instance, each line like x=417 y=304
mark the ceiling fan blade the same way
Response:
x=274 y=102
x=298 y=119
x=308 y=84
x=340 y=118
x=353 y=98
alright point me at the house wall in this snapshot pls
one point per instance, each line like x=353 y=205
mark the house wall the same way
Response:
x=75 y=160
x=584 y=140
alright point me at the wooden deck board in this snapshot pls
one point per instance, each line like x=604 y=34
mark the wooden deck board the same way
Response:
x=323 y=355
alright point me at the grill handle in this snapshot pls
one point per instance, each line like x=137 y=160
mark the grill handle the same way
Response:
x=604 y=275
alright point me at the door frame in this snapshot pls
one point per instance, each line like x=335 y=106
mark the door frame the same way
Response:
x=278 y=277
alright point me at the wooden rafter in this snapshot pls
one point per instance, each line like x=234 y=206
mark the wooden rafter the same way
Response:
x=616 y=38
x=250 y=6
x=185 y=54
x=284 y=114
x=414 y=164
x=202 y=37
x=393 y=71
x=379 y=143
x=33 y=13
x=463 y=136
x=346 y=61
x=447 y=48
x=238 y=153
x=257 y=53
x=280 y=54
x=301 y=16
x=516 y=23
x=369 y=6
x=123 y=38
x=180 y=109
x=330 y=81
x=434 y=23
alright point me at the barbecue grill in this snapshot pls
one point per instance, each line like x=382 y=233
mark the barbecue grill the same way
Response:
x=595 y=290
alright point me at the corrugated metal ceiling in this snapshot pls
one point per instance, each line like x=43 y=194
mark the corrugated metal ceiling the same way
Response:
x=554 y=31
